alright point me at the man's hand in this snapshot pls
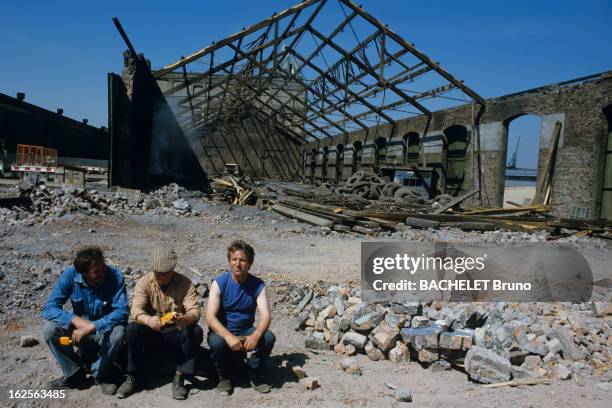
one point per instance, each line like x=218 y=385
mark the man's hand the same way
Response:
x=233 y=342
x=79 y=323
x=182 y=320
x=251 y=341
x=82 y=332
x=153 y=322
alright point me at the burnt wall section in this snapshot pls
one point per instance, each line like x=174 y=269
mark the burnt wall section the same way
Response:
x=256 y=145
x=578 y=173
x=24 y=123
x=259 y=140
x=149 y=148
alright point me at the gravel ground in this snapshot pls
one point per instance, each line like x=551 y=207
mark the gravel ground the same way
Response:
x=31 y=258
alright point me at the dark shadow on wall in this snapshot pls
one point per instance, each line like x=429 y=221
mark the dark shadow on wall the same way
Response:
x=148 y=147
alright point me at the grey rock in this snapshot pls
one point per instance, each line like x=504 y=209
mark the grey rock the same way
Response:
x=486 y=366
x=356 y=339
x=320 y=303
x=399 y=353
x=28 y=341
x=39 y=285
x=305 y=300
x=373 y=353
x=407 y=308
x=403 y=395
x=440 y=365
x=316 y=341
x=422 y=337
x=339 y=304
x=419 y=321
x=568 y=347
x=561 y=372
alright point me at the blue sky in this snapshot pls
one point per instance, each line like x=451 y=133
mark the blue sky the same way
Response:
x=59 y=53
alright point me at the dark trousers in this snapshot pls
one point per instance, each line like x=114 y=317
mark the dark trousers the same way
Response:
x=220 y=353
x=144 y=343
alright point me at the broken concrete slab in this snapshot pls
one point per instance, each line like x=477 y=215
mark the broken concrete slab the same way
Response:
x=305 y=300
x=384 y=336
x=399 y=353
x=316 y=341
x=356 y=339
x=486 y=366
x=561 y=372
x=568 y=347
x=421 y=337
x=373 y=353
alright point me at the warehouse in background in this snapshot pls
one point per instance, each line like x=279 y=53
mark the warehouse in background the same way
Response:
x=50 y=142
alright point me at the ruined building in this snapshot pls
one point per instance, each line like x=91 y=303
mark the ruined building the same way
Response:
x=294 y=98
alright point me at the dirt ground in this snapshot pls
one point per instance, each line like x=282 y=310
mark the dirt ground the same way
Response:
x=284 y=249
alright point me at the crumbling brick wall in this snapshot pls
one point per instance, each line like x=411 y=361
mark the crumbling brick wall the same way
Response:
x=580 y=161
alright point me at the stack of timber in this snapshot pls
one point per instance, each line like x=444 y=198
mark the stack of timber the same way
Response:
x=366 y=204
x=233 y=190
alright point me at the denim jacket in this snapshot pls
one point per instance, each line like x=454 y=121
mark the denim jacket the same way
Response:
x=105 y=306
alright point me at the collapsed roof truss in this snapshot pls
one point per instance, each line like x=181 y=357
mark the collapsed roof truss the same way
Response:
x=286 y=71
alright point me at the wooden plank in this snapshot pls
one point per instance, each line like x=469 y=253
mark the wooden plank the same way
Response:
x=301 y=216
x=455 y=201
x=318 y=209
x=522 y=381
x=246 y=197
x=546 y=180
x=493 y=211
x=364 y=230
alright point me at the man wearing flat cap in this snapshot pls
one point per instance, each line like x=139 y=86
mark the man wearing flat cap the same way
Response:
x=164 y=314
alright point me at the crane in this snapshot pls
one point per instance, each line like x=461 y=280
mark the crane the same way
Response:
x=512 y=162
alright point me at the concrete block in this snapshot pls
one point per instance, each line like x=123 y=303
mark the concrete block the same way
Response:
x=399 y=353
x=310 y=383
x=568 y=347
x=486 y=366
x=356 y=339
x=384 y=336
x=316 y=341
x=373 y=353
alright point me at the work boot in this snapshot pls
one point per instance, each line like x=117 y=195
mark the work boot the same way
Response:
x=108 y=388
x=179 y=392
x=77 y=380
x=258 y=382
x=224 y=386
x=127 y=388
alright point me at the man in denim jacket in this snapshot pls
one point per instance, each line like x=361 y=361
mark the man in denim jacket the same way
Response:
x=96 y=324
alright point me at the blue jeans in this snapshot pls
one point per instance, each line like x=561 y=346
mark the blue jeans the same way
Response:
x=220 y=352
x=100 y=349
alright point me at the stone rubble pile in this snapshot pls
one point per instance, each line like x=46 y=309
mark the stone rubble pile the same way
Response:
x=491 y=342
x=25 y=282
x=47 y=204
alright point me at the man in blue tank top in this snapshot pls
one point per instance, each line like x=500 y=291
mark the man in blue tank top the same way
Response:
x=233 y=299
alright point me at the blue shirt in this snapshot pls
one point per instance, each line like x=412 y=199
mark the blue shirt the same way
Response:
x=238 y=302
x=105 y=306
